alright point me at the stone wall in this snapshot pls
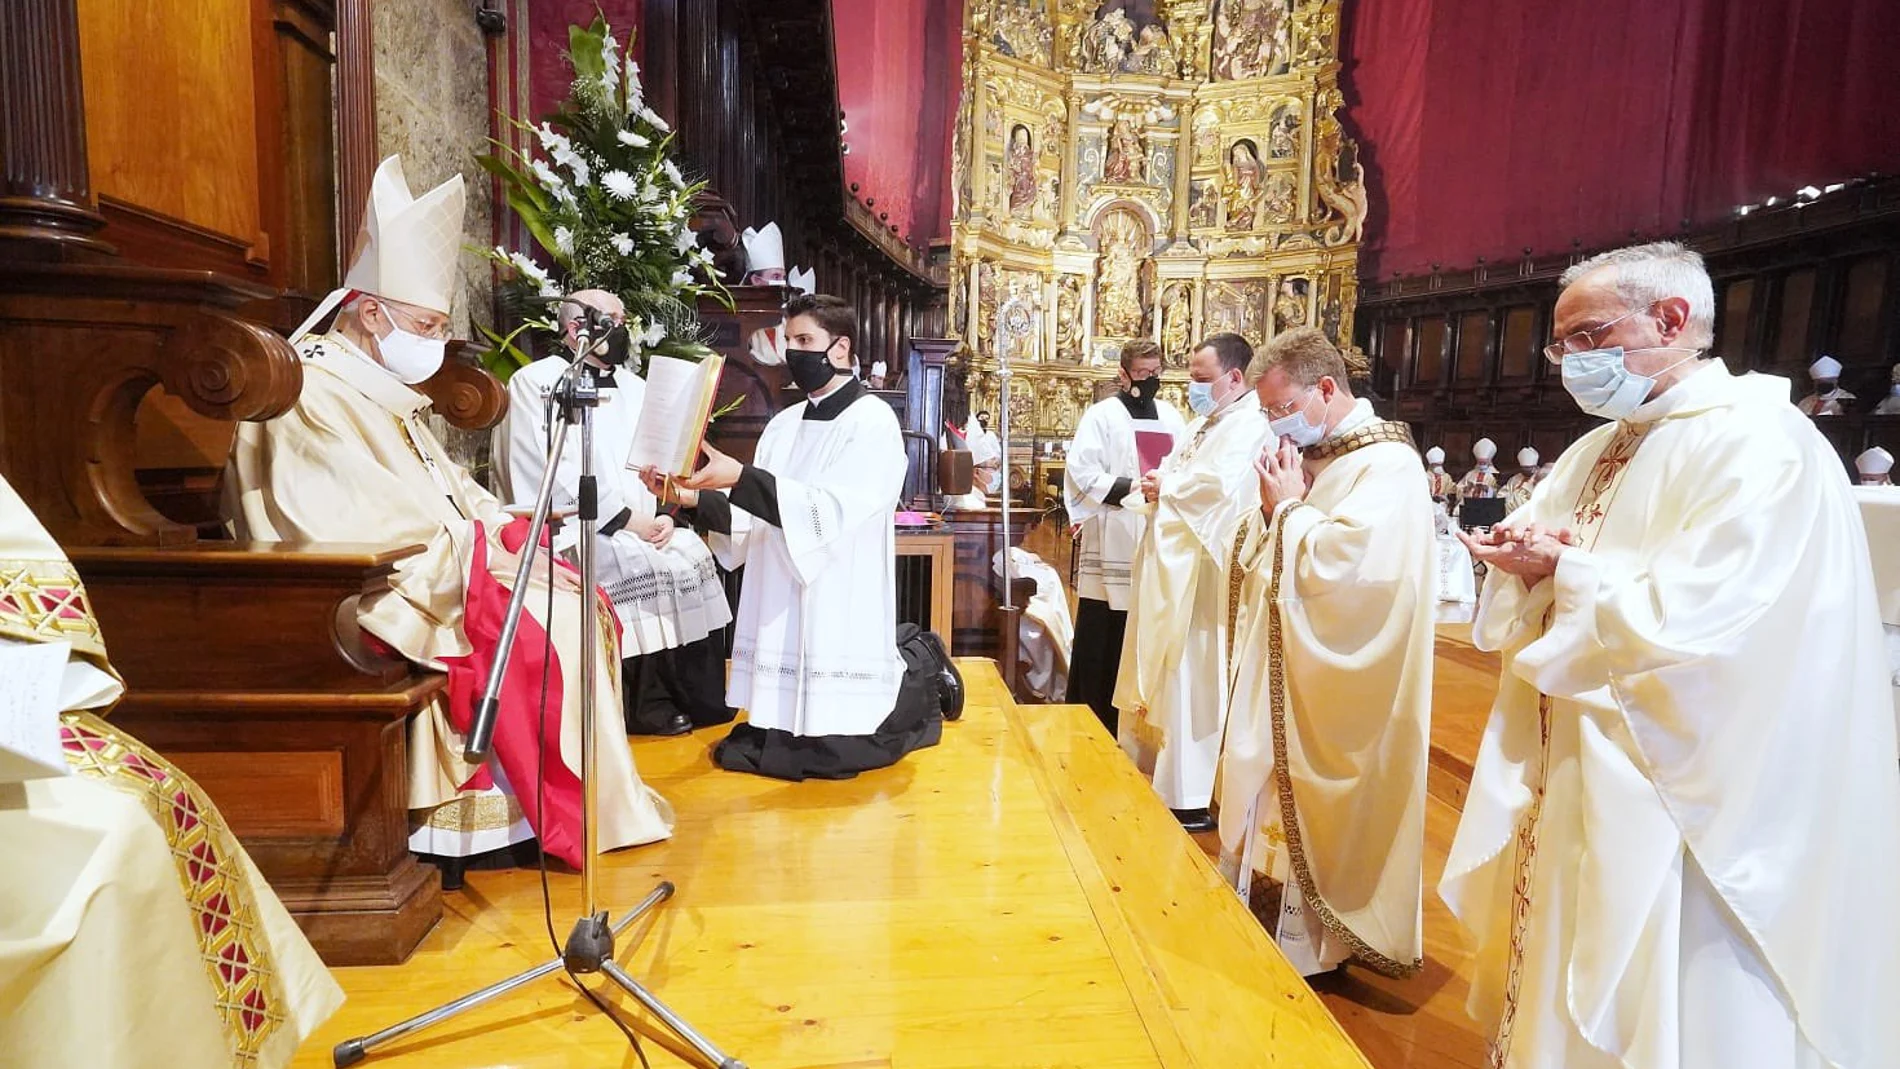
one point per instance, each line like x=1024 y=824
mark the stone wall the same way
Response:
x=432 y=107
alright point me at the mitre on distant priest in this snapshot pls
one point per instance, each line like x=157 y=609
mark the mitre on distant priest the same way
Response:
x=804 y=280
x=1826 y=369
x=764 y=256
x=1435 y=456
x=1527 y=457
x=1874 y=466
x=1484 y=450
x=407 y=248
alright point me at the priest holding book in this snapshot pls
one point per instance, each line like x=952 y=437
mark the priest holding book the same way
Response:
x=815 y=662
x=663 y=583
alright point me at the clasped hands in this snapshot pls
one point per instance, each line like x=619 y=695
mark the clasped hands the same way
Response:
x=1531 y=552
x=1282 y=478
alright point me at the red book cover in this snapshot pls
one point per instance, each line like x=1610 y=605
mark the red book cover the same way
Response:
x=1153 y=447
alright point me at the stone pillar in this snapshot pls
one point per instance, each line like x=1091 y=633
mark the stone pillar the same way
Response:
x=46 y=205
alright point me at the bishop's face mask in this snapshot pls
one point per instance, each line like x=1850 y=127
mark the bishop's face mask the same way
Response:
x=1603 y=385
x=410 y=357
x=812 y=369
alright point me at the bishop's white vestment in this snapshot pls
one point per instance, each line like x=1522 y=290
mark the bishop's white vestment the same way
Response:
x=354 y=462
x=1681 y=846
x=1323 y=773
x=664 y=598
x=815 y=646
x=1172 y=690
x=135 y=932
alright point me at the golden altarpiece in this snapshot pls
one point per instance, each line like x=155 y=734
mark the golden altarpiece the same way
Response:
x=1158 y=169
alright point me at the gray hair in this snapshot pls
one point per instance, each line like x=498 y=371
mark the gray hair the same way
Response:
x=1655 y=272
x=575 y=305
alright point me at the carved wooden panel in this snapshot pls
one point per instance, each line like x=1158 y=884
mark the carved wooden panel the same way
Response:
x=1793 y=345
x=271 y=794
x=1474 y=344
x=1519 y=347
x=1432 y=336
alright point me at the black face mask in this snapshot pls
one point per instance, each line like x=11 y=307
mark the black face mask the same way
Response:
x=618 y=346
x=1145 y=389
x=812 y=369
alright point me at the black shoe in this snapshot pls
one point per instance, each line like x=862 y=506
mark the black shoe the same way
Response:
x=677 y=724
x=1194 y=819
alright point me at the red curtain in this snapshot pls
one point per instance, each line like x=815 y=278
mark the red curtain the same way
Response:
x=899 y=62
x=1490 y=126
x=548 y=22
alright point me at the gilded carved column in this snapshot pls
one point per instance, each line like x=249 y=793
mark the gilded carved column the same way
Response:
x=46 y=205
x=1183 y=166
x=1066 y=212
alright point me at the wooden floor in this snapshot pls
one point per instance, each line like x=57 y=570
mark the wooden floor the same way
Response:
x=1014 y=897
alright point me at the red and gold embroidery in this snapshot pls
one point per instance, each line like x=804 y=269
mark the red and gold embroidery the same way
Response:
x=250 y=996
x=44 y=601
x=1592 y=507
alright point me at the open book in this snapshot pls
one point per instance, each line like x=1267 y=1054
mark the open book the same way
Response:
x=673 y=418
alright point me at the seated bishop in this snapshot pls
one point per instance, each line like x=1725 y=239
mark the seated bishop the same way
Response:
x=355 y=461
x=815 y=659
x=137 y=933
x=663 y=582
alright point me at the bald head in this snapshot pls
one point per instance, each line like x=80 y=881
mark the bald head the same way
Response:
x=575 y=307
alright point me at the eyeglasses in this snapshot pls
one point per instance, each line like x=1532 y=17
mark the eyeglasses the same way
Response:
x=1585 y=340
x=439 y=332
x=1282 y=411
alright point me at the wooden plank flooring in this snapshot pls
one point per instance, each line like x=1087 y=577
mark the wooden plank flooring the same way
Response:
x=1014 y=897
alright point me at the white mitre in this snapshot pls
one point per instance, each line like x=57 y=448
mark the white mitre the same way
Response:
x=1434 y=456
x=764 y=250
x=1826 y=368
x=1874 y=462
x=804 y=280
x=1484 y=450
x=1527 y=457
x=407 y=248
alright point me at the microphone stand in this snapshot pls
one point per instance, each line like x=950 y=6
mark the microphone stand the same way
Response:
x=1012 y=618
x=590 y=946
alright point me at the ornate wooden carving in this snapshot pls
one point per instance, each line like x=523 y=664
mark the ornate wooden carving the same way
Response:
x=467 y=396
x=80 y=346
x=230 y=650
x=46 y=208
x=356 y=157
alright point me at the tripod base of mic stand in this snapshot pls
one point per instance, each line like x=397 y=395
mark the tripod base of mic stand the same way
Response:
x=590 y=949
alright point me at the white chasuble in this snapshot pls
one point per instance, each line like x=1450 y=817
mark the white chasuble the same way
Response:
x=1107 y=448
x=1323 y=772
x=135 y=930
x=1681 y=846
x=355 y=462
x=815 y=648
x=663 y=597
x=1173 y=682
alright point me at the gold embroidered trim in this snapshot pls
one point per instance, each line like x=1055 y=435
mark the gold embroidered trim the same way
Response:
x=1373 y=433
x=251 y=1002
x=45 y=601
x=475 y=813
x=1289 y=810
x=1593 y=502
x=1235 y=576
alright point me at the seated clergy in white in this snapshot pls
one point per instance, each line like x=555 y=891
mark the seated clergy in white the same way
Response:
x=354 y=461
x=663 y=583
x=135 y=931
x=1681 y=846
x=1874 y=467
x=1172 y=689
x=1117 y=441
x=1827 y=399
x=1322 y=814
x=814 y=658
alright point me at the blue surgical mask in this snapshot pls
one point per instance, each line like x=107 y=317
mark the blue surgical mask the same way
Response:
x=1201 y=398
x=1603 y=385
x=1297 y=429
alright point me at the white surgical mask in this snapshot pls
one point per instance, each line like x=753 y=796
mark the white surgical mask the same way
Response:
x=412 y=358
x=1296 y=428
x=1603 y=385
